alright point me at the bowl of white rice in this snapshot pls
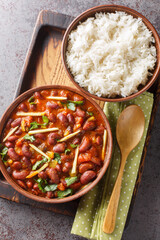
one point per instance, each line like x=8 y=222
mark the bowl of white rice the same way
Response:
x=111 y=53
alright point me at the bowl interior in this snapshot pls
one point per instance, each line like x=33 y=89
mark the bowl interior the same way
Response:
x=111 y=8
x=106 y=160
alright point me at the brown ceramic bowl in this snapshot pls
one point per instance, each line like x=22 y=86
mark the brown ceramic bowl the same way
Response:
x=111 y=8
x=3 y=122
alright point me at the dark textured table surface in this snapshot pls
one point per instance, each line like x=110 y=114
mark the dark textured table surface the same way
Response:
x=20 y=222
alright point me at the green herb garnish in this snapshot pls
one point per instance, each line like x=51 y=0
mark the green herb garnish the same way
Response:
x=4 y=153
x=62 y=194
x=29 y=137
x=41 y=184
x=45 y=119
x=76 y=102
x=31 y=100
x=40 y=180
x=71 y=106
x=39 y=163
x=70 y=180
x=35 y=125
x=51 y=188
x=90 y=113
x=33 y=103
x=67 y=151
x=57 y=157
x=73 y=145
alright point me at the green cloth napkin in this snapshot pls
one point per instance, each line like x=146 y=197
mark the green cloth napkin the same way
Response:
x=91 y=210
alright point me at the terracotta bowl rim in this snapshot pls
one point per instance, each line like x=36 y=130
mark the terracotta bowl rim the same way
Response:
x=112 y=8
x=4 y=119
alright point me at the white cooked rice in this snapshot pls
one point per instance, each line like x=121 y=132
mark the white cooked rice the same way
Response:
x=111 y=54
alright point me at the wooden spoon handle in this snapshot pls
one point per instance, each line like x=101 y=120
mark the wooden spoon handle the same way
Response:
x=111 y=212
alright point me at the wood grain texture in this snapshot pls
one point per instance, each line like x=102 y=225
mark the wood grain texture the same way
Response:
x=43 y=66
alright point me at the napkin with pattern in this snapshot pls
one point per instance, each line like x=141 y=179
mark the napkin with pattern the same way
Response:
x=91 y=210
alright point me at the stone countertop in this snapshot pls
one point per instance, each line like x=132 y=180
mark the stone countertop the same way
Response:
x=20 y=222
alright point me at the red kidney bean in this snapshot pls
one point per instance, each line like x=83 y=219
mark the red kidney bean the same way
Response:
x=26 y=151
x=52 y=138
x=89 y=125
x=9 y=144
x=85 y=144
x=64 y=93
x=9 y=170
x=45 y=92
x=13 y=155
x=17 y=165
x=84 y=157
x=80 y=112
x=29 y=184
x=77 y=97
x=23 y=107
x=87 y=176
x=76 y=141
x=52 y=174
x=33 y=107
x=42 y=175
x=22 y=184
x=18 y=132
x=26 y=163
x=52 y=117
x=96 y=160
x=63 y=119
x=40 y=135
x=35 y=186
x=54 y=93
x=20 y=175
x=100 y=129
x=8 y=125
x=37 y=142
x=66 y=157
x=99 y=140
x=75 y=186
x=16 y=122
x=38 y=95
x=52 y=105
x=59 y=147
x=85 y=166
x=49 y=194
x=67 y=167
x=42 y=147
x=58 y=168
x=70 y=118
x=93 y=150
x=12 y=138
x=65 y=170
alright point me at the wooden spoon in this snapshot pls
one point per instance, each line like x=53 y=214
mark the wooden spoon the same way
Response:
x=130 y=127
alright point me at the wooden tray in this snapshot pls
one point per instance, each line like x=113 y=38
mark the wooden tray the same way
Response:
x=43 y=66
